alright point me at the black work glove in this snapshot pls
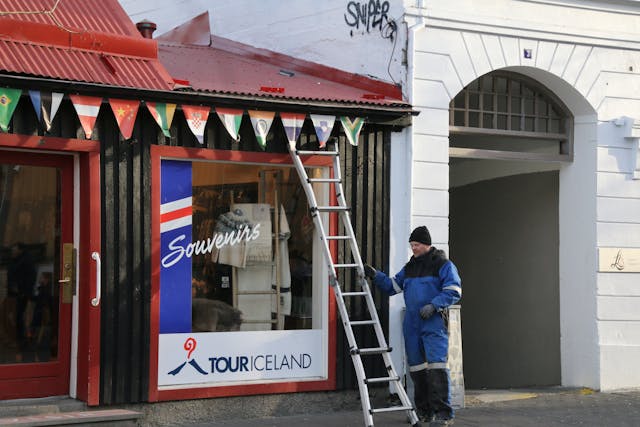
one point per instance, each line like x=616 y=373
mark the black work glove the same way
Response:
x=427 y=311
x=369 y=271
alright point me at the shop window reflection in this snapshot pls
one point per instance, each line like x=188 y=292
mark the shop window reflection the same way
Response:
x=261 y=279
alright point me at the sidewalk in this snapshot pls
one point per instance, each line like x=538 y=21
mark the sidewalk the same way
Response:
x=512 y=408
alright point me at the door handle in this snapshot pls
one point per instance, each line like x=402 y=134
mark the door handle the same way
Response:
x=96 y=257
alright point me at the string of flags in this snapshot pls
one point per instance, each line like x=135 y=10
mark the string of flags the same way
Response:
x=47 y=104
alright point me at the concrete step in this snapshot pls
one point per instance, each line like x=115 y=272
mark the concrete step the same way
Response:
x=57 y=411
x=102 y=417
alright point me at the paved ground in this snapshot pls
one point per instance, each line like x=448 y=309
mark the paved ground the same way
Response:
x=540 y=408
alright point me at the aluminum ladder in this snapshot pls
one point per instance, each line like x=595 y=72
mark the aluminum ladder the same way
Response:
x=356 y=352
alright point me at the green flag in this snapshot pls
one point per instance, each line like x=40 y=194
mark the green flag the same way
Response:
x=352 y=128
x=8 y=101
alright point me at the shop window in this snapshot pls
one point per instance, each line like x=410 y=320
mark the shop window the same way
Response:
x=240 y=275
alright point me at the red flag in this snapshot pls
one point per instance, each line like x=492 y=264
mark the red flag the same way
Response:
x=125 y=111
x=87 y=108
x=196 y=119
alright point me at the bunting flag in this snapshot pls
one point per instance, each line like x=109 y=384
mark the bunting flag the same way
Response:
x=352 y=128
x=163 y=113
x=87 y=108
x=125 y=111
x=8 y=101
x=46 y=105
x=261 y=121
x=231 y=119
x=324 y=126
x=196 y=119
x=292 y=123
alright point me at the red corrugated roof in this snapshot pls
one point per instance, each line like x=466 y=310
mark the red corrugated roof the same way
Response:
x=215 y=69
x=228 y=67
x=79 y=40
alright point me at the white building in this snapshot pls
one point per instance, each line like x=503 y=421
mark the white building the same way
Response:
x=523 y=161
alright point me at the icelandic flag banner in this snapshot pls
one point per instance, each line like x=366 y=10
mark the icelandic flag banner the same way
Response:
x=323 y=126
x=87 y=108
x=352 y=128
x=292 y=123
x=8 y=101
x=261 y=122
x=197 y=117
x=163 y=113
x=46 y=105
x=231 y=119
x=125 y=112
x=176 y=214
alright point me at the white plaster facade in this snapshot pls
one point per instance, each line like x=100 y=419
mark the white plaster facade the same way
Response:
x=586 y=52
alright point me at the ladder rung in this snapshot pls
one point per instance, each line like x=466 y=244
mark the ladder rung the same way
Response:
x=391 y=409
x=256 y=292
x=337 y=237
x=381 y=380
x=373 y=350
x=332 y=208
x=344 y=265
x=363 y=322
x=316 y=153
x=353 y=294
x=324 y=180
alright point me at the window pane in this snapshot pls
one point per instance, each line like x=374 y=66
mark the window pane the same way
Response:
x=554 y=126
x=487 y=102
x=529 y=106
x=515 y=123
x=542 y=125
x=487 y=121
x=474 y=101
x=501 y=85
x=474 y=119
x=529 y=124
x=502 y=103
x=458 y=118
x=458 y=101
x=515 y=105
x=502 y=122
x=29 y=259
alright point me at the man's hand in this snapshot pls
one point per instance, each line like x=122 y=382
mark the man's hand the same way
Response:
x=427 y=311
x=369 y=271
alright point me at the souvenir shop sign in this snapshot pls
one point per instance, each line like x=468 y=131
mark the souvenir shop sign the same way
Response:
x=225 y=358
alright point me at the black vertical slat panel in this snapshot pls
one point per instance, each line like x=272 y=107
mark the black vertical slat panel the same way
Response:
x=110 y=250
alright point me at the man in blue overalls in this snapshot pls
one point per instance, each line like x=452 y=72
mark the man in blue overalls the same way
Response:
x=430 y=283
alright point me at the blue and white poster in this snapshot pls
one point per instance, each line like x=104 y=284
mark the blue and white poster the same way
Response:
x=175 y=237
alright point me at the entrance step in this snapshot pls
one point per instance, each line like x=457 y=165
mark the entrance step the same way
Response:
x=59 y=411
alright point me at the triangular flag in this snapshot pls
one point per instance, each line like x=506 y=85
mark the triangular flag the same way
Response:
x=125 y=111
x=261 y=121
x=46 y=105
x=35 y=100
x=196 y=119
x=50 y=105
x=324 y=126
x=231 y=119
x=8 y=101
x=292 y=123
x=163 y=113
x=352 y=128
x=87 y=108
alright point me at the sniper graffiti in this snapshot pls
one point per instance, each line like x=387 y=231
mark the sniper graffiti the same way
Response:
x=372 y=15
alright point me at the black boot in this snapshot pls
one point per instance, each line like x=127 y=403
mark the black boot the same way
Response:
x=438 y=384
x=421 y=395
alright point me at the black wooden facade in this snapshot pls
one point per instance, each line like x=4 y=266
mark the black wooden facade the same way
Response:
x=126 y=227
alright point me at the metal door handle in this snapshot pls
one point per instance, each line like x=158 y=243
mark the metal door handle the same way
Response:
x=96 y=257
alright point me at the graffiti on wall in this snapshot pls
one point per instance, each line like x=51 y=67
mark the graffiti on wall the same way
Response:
x=367 y=16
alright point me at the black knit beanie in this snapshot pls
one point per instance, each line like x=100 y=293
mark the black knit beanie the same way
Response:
x=421 y=235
